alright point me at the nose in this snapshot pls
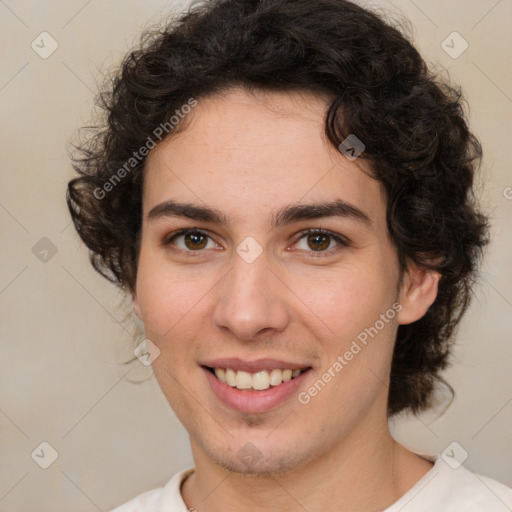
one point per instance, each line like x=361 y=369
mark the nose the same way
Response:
x=252 y=300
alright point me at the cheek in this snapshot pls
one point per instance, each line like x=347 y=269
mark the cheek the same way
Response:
x=168 y=296
x=355 y=336
x=346 y=300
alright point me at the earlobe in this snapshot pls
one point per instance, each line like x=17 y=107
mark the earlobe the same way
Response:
x=417 y=294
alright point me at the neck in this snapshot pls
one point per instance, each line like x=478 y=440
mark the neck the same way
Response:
x=355 y=475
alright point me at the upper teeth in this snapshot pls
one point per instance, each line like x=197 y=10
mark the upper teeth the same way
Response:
x=258 y=380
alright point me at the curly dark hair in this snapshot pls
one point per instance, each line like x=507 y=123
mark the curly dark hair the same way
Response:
x=411 y=121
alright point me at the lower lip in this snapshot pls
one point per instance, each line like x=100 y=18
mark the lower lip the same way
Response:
x=254 y=401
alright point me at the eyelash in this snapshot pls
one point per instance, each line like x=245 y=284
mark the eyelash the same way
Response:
x=341 y=241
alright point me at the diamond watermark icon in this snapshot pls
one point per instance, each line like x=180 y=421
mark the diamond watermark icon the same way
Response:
x=44 y=250
x=249 y=249
x=454 y=455
x=44 y=455
x=249 y=455
x=454 y=45
x=146 y=352
x=44 y=45
x=352 y=147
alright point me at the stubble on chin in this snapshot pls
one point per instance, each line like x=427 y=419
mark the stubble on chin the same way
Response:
x=257 y=459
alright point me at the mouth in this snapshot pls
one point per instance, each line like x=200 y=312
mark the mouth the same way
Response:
x=254 y=387
x=255 y=381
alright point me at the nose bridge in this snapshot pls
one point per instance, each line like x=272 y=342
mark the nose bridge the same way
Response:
x=250 y=299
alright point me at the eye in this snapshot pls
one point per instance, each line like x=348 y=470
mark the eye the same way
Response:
x=319 y=240
x=191 y=240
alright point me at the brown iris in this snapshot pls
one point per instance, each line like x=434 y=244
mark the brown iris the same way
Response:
x=195 y=240
x=318 y=241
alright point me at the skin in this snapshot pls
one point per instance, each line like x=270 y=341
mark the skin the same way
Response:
x=249 y=155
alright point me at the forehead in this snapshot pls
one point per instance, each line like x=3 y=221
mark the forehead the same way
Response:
x=243 y=152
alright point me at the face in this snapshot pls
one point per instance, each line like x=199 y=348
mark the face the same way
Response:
x=265 y=255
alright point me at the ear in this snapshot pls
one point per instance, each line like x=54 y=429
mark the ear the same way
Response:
x=417 y=293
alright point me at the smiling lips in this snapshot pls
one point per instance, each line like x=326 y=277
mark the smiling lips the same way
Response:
x=254 y=386
x=254 y=375
x=257 y=381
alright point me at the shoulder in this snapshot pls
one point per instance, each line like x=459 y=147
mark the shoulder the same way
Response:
x=451 y=487
x=160 y=499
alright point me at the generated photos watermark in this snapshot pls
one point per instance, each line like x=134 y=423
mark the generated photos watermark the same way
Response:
x=357 y=345
x=138 y=156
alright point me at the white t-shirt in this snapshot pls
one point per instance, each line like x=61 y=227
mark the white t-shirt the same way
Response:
x=442 y=489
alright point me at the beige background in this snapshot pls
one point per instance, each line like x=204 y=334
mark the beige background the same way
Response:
x=62 y=336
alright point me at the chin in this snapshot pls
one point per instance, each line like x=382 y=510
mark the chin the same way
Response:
x=253 y=461
x=264 y=467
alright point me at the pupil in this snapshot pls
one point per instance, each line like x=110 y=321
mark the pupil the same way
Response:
x=319 y=242
x=195 y=240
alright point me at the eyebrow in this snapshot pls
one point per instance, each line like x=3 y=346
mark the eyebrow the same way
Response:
x=187 y=210
x=338 y=208
x=287 y=215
